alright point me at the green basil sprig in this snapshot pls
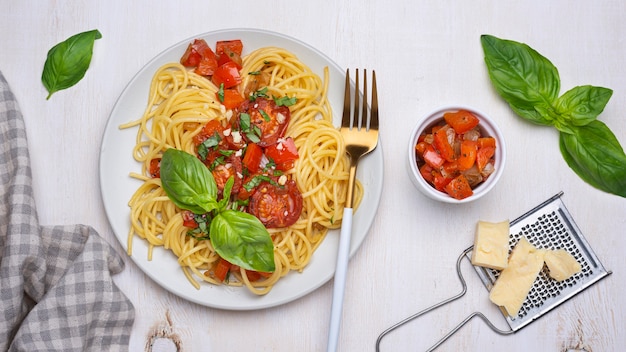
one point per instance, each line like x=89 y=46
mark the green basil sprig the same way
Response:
x=68 y=61
x=236 y=236
x=530 y=84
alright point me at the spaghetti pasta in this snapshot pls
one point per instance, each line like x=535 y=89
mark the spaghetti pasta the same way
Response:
x=180 y=103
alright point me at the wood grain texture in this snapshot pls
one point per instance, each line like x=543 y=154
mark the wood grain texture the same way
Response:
x=426 y=54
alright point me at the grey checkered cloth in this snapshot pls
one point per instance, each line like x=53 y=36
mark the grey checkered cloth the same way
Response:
x=56 y=290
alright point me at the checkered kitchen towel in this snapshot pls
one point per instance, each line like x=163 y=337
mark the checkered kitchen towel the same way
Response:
x=56 y=291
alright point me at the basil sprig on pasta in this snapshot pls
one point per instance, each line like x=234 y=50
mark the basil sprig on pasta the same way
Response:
x=238 y=237
x=530 y=84
x=68 y=61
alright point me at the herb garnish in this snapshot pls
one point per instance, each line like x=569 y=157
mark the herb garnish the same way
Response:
x=68 y=61
x=238 y=237
x=530 y=84
x=252 y=132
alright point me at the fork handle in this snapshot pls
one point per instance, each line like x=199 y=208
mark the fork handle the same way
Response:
x=343 y=256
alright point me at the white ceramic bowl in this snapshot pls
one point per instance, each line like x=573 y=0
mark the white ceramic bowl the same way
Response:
x=487 y=127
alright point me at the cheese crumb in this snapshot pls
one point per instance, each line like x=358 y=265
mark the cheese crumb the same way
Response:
x=491 y=245
x=236 y=136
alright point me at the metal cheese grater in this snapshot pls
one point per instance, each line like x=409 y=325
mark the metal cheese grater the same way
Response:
x=547 y=226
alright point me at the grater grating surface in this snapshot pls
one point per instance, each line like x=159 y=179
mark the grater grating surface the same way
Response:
x=549 y=226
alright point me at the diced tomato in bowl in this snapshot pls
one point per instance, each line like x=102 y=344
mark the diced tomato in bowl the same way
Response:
x=456 y=154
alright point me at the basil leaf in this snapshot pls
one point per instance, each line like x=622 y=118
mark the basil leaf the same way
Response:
x=68 y=61
x=594 y=153
x=220 y=93
x=285 y=101
x=581 y=105
x=188 y=182
x=241 y=239
x=522 y=76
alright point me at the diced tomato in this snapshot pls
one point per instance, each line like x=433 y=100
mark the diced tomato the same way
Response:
x=252 y=158
x=450 y=167
x=232 y=98
x=468 y=155
x=284 y=153
x=209 y=130
x=256 y=275
x=459 y=188
x=442 y=144
x=229 y=56
x=235 y=46
x=462 y=120
x=200 y=56
x=155 y=168
x=189 y=219
x=432 y=158
x=427 y=173
x=226 y=74
x=222 y=267
x=486 y=142
x=440 y=181
x=191 y=57
x=483 y=155
x=420 y=147
x=245 y=194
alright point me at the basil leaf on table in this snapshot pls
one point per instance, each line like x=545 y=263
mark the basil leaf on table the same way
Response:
x=188 y=182
x=68 y=61
x=241 y=239
x=582 y=105
x=594 y=153
x=522 y=77
x=530 y=84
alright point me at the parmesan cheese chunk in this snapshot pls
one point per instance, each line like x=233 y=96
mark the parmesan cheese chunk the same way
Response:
x=515 y=282
x=491 y=245
x=562 y=264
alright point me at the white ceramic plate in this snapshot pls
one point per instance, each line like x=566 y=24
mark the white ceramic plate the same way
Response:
x=117 y=187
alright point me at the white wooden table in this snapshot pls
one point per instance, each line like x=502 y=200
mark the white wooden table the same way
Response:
x=426 y=54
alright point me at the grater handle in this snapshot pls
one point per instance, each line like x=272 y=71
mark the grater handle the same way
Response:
x=444 y=302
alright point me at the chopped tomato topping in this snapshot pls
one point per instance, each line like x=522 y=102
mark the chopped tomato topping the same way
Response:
x=462 y=120
x=284 y=153
x=189 y=219
x=200 y=56
x=252 y=157
x=468 y=155
x=222 y=267
x=483 y=156
x=212 y=128
x=459 y=188
x=231 y=98
x=442 y=144
x=226 y=74
x=235 y=46
x=486 y=142
x=432 y=157
x=155 y=168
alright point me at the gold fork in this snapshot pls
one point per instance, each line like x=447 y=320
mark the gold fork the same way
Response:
x=361 y=137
